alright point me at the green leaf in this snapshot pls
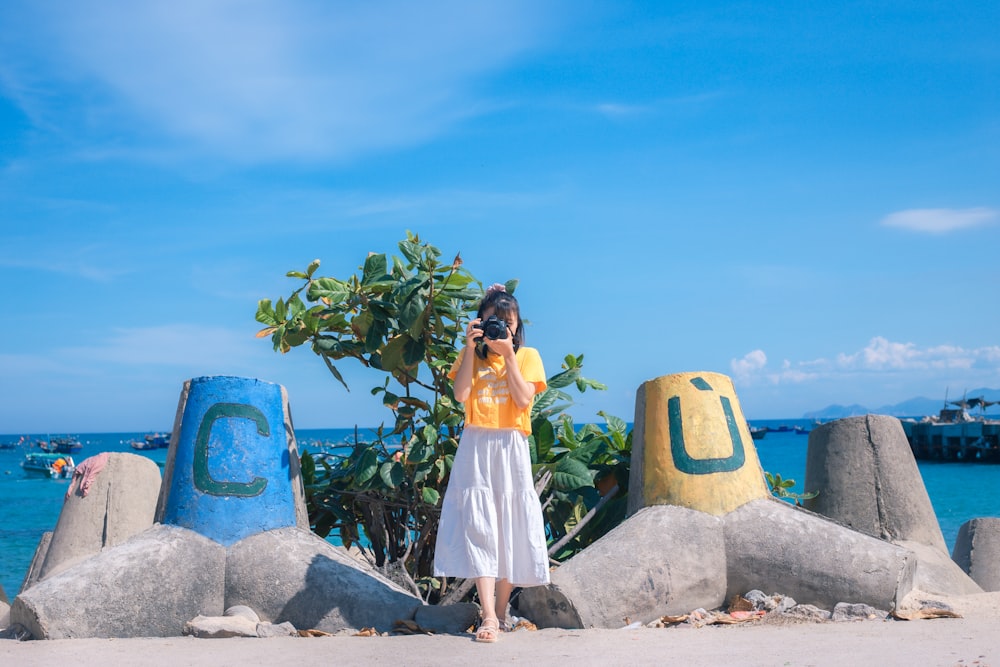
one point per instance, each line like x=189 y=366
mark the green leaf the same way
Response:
x=571 y=474
x=374 y=270
x=265 y=313
x=392 y=352
x=430 y=496
x=419 y=451
x=392 y=473
x=336 y=291
x=545 y=437
x=366 y=467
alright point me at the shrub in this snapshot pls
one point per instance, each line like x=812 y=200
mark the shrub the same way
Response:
x=401 y=317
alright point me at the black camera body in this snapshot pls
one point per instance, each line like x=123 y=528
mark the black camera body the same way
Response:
x=493 y=328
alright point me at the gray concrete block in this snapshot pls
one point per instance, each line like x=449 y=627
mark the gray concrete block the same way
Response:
x=937 y=573
x=866 y=478
x=290 y=574
x=977 y=551
x=662 y=560
x=773 y=546
x=4 y=615
x=35 y=568
x=150 y=586
x=119 y=504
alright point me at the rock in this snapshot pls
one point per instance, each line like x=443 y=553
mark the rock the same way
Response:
x=808 y=612
x=244 y=611
x=845 y=611
x=447 y=619
x=267 y=630
x=217 y=627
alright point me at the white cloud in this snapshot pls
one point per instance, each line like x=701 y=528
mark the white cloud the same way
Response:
x=749 y=364
x=940 y=220
x=181 y=345
x=880 y=356
x=263 y=80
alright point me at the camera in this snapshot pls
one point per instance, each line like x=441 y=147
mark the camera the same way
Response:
x=493 y=328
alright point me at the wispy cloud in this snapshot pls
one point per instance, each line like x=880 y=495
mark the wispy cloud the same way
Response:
x=941 y=220
x=180 y=345
x=264 y=80
x=880 y=356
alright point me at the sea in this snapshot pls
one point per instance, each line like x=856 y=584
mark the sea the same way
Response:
x=30 y=506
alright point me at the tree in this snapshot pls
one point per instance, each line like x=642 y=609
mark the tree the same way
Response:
x=401 y=317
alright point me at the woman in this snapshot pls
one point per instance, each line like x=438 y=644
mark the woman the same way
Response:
x=491 y=526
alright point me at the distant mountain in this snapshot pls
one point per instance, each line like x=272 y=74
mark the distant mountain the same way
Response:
x=914 y=407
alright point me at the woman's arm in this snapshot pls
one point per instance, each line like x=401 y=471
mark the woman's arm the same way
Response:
x=463 y=378
x=520 y=389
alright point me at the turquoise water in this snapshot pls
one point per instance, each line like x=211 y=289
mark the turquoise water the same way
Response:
x=958 y=491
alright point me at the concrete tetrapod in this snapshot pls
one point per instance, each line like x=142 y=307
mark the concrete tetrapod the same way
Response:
x=777 y=548
x=865 y=477
x=290 y=575
x=231 y=505
x=977 y=551
x=692 y=449
x=662 y=560
x=148 y=587
x=119 y=503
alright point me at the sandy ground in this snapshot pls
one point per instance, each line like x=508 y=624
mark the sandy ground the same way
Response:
x=971 y=640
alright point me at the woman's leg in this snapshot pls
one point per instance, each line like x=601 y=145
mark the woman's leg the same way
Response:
x=490 y=626
x=503 y=591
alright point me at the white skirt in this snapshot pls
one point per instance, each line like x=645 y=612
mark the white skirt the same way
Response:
x=491 y=520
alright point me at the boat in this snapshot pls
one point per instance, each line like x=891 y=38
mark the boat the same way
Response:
x=47 y=464
x=152 y=441
x=758 y=432
x=65 y=445
x=956 y=435
x=800 y=430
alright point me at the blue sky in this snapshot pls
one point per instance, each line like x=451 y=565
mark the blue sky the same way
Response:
x=802 y=196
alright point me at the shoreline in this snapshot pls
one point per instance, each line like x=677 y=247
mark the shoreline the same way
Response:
x=970 y=640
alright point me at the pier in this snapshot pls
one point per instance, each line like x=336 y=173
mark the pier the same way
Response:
x=973 y=441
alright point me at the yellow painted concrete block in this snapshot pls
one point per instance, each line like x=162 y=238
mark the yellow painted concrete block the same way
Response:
x=692 y=446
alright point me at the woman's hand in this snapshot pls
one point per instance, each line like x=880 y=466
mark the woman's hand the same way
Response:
x=473 y=333
x=502 y=346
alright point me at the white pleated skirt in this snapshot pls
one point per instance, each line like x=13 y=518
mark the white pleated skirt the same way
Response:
x=491 y=520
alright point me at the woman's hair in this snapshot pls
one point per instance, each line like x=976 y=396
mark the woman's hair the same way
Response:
x=503 y=305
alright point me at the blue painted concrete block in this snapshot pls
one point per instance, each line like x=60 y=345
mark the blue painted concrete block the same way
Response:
x=231 y=469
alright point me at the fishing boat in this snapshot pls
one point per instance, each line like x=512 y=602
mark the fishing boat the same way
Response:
x=64 y=445
x=151 y=441
x=47 y=464
x=758 y=432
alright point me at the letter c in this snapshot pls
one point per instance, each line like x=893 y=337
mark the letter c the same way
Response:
x=202 y=477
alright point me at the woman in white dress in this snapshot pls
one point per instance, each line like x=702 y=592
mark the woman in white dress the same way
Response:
x=491 y=525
